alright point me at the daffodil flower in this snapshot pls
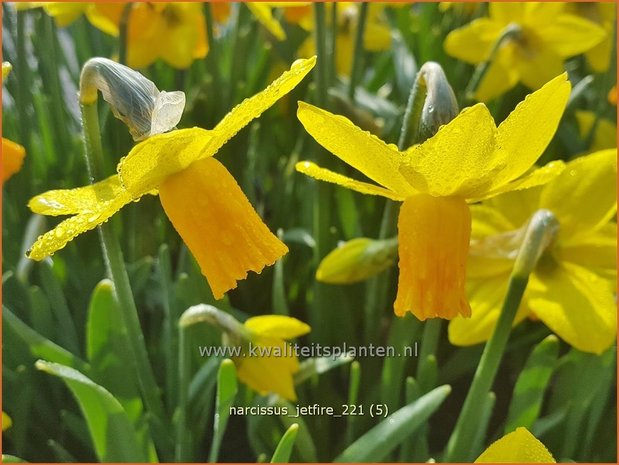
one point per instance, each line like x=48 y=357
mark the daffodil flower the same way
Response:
x=468 y=159
x=605 y=15
x=604 y=131
x=542 y=36
x=572 y=288
x=201 y=198
x=274 y=365
x=519 y=446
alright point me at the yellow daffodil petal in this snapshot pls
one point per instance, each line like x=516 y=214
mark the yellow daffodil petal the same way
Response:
x=473 y=42
x=6 y=421
x=506 y=12
x=486 y=298
x=540 y=14
x=433 y=235
x=69 y=229
x=528 y=129
x=186 y=35
x=64 y=13
x=250 y=108
x=218 y=224
x=500 y=76
x=360 y=149
x=596 y=251
x=377 y=36
x=6 y=69
x=576 y=304
x=516 y=206
x=537 y=177
x=605 y=132
x=85 y=199
x=12 y=158
x=277 y=326
x=270 y=373
x=105 y=16
x=458 y=160
x=599 y=56
x=539 y=66
x=323 y=174
x=264 y=15
x=569 y=35
x=151 y=161
x=519 y=446
x=590 y=185
x=487 y=221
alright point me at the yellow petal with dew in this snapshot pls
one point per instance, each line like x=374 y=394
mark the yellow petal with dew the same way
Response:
x=519 y=446
x=486 y=299
x=568 y=35
x=538 y=66
x=6 y=421
x=458 y=160
x=220 y=227
x=433 y=235
x=596 y=251
x=271 y=372
x=80 y=200
x=264 y=15
x=277 y=326
x=472 y=43
x=69 y=229
x=151 y=161
x=360 y=149
x=250 y=108
x=584 y=196
x=323 y=174
x=576 y=304
x=537 y=177
x=12 y=158
x=501 y=75
x=527 y=131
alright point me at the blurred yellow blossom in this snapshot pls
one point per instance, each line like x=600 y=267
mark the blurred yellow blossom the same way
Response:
x=603 y=14
x=539 y=37
x=604 y=133
x=6 y=421
x=275 y=363
x=201 y=198
x=572 y=288
x=12 y=158
x=468 y=159
x=519 y=446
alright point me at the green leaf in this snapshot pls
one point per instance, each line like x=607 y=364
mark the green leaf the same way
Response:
x=531 y=385
x=377 y=443
x=12 y=459
x=284 y=448
x=112 y=433
x=41 y=347
x=227 y=387
x=107 y=346
x=318 y=366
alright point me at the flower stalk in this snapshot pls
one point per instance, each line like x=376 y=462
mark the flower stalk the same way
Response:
x=358 y=50
x=540 y=232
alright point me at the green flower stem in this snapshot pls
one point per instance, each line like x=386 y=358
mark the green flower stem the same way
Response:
x=429 y=343
x=540 y=232
x=358 y=50
x=213 y=50
x=512 y=31
x=23 y=71
x=183 y=435
x=118 y=273
x=122 y=33
x=320 y=38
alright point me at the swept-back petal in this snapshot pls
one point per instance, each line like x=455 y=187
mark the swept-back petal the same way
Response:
x=218 y=224
x=485 y=297
x=323 y=174
x=458 y=160
x=277 y=326
x=570 y=35
x=66 y=231
x=590 y=184
x=537 y=177
x=519 y=446
x=538 y=66
x=85 y=199
x=577 y=305
x=360 y=149
x=506 y=12
x=473 y=42
x=528 y=129
x=501 y=74
x=263 y=13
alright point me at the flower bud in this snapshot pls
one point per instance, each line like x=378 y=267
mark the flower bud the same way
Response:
x=440 y=105
x=357 y=260
x=135 y=100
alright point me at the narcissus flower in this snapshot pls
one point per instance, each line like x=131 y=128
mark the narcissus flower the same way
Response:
x=541 y=35
x=519 y=446
x=468 y=159
x=572 y=288
x=201 y=198
x=273 y=366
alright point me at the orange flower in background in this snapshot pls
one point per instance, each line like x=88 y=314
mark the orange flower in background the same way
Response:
x=12 y=158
